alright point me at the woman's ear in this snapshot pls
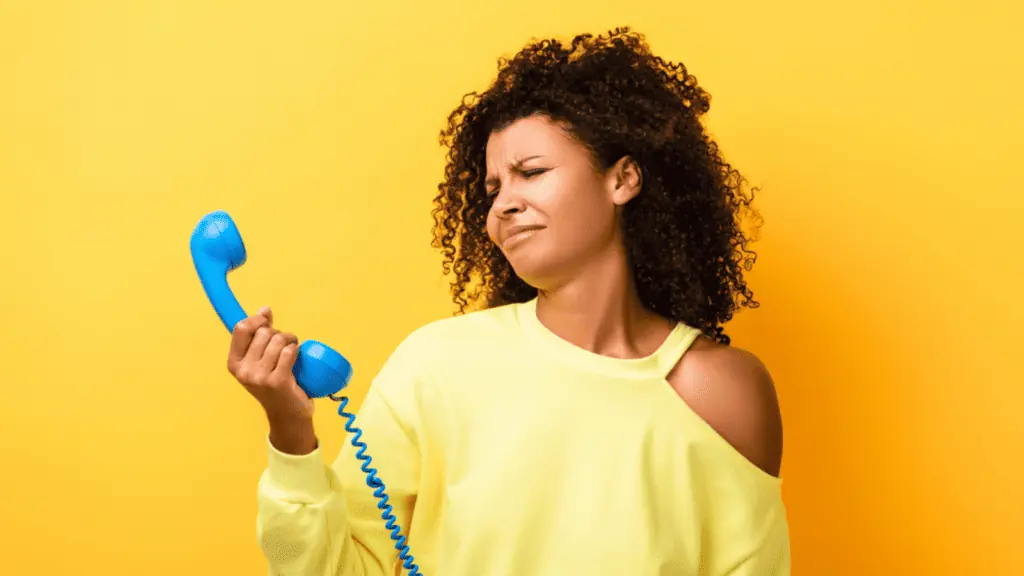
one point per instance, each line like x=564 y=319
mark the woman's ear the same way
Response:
x=625 y=180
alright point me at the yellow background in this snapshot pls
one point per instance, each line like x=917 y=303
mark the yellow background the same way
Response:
x=885 y=136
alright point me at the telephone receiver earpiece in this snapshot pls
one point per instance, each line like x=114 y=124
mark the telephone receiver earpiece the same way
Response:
x=217 y=249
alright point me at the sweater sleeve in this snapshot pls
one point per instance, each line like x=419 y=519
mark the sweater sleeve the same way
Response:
x=770 y=556
x=316 y=519
x=750 y=536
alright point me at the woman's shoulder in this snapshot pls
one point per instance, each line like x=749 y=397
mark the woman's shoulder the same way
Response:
x=440 y=341
x=733 y=392
x=470 y=326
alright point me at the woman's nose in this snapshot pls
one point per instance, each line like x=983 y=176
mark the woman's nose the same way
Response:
x=510 y=209
x=508 y=203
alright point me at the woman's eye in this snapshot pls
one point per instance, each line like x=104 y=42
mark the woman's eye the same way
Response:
x=527 y=174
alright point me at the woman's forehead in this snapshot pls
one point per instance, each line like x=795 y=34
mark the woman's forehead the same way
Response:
x=531 y=137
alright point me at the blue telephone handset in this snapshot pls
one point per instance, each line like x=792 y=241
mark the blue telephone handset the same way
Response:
x=320 y=371
x=217 y=249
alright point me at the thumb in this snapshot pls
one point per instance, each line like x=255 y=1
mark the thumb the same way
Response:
x=268 y=314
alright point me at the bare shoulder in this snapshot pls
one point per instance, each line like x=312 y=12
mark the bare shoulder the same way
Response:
x=732 y=390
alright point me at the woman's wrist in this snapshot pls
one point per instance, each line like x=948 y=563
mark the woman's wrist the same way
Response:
x=291 y=435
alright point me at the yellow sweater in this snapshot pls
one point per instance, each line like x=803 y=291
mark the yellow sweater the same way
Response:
x=507 y=451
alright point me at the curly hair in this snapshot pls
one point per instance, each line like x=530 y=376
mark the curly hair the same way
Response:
x=684 y=234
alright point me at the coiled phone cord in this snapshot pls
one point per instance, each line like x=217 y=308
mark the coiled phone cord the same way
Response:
x=378 y=487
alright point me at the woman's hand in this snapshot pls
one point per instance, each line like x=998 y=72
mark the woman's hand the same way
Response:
x=261 y=359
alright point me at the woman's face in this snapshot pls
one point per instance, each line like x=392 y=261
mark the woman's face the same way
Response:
x=552 y=211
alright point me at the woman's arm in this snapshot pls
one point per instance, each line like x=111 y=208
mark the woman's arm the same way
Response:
x=732 y=391
x=320 y=520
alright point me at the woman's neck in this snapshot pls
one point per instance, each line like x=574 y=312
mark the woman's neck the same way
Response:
x=599 y=310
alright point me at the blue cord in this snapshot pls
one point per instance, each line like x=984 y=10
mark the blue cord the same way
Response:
x=378 y=485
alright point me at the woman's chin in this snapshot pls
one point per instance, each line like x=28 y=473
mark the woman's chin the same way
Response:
x=536 y=272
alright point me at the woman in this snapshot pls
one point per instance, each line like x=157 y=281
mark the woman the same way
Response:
x=592 y=418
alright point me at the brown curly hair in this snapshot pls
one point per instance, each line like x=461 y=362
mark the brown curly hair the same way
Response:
x=683 y=232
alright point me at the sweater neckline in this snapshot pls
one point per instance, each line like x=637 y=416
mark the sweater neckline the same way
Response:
x=656 y=365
